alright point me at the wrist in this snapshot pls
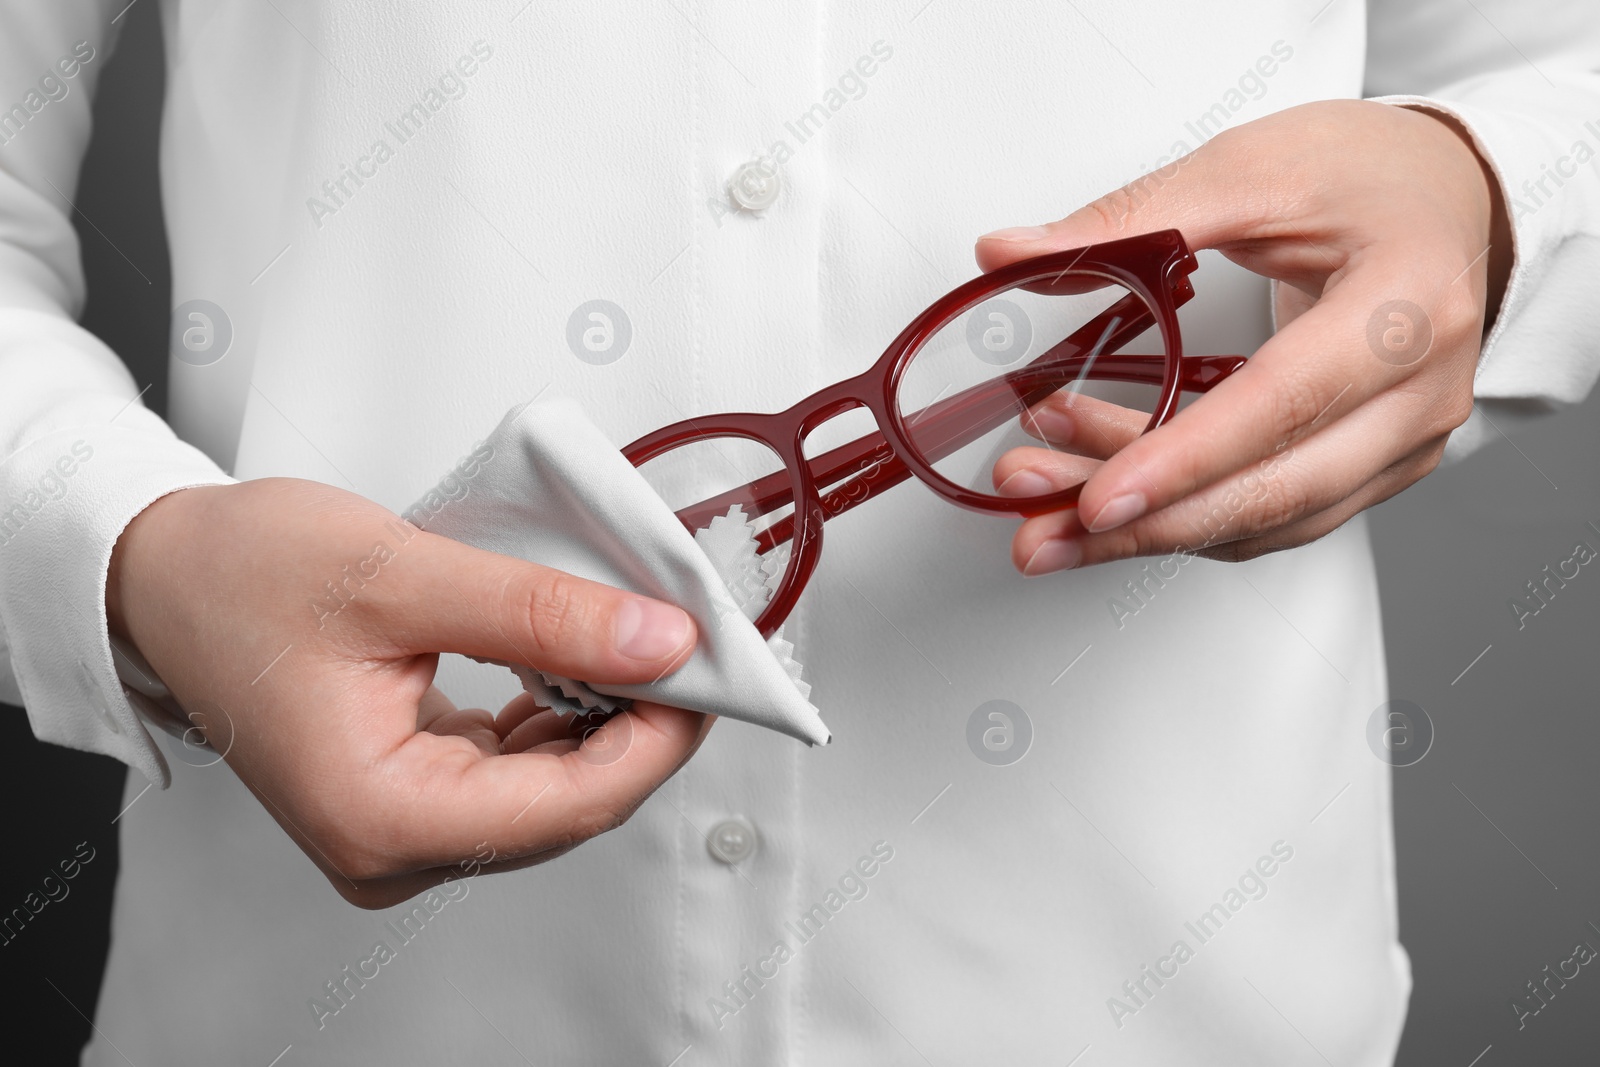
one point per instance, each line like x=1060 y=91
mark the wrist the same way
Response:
x=139 y=541
x=1501 y=239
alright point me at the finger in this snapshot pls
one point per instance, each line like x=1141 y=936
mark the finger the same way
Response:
x=1086 y=430
x=474 y=724
x=379 y=893
x=1305 y=377
x=1087 y=424
x=558 y=746
x=1389 y=482
x=1212 y=195
x=1299 y=481
x=518 y=710
x=1024 y=472
x=1253 y=192
x=437 y=715
x=522 y=803
x=451 y=597
x=432 y=705
x=548 y=725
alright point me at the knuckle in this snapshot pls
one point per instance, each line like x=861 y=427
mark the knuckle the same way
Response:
x=556 y=610
x=1231 y=551
x=1211 y=522
x=1422 y=463
x=1260 y=500
x=361 y=894
x=1114 y=208
x=1144 y=539
x=600 y=819
x=355 y=859
x=1288 y=501
x=1296 y=402
x=598 y=810
x=1248 y=548
x=1454 y=411
x=359 y=848
x=1457 y=317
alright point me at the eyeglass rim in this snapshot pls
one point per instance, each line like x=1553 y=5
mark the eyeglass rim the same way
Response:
x=913 y=339
x=1154 y=266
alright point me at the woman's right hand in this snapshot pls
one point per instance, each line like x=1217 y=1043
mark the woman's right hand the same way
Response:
x=309 y=620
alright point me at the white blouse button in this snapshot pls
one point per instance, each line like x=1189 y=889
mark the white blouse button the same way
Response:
x=754 y=186
x=732 y=840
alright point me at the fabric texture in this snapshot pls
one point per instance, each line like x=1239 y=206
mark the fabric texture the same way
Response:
x=553 y=490
x=380 y=321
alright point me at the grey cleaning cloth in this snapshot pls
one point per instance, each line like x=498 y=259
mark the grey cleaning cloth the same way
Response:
x=549 y=487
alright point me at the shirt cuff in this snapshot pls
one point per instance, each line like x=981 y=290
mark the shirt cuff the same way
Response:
x=65 y=498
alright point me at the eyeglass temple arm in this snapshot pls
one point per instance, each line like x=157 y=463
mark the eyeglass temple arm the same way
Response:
x=880 y=469
x=878 y=473
x=955 y=422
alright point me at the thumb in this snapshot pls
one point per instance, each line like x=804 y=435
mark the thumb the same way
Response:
x=451 y=597
x=1206 y=194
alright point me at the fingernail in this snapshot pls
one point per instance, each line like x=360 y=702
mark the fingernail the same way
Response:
x=1025 y=483
x=1017 y=233
x=1052 y=425
x=649 y=630
x=1057 y=554
x=1122 y=509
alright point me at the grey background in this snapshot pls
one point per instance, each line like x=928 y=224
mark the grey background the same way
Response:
x=1498 y=872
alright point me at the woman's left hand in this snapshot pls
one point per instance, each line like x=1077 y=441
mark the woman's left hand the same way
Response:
x=1387 y=234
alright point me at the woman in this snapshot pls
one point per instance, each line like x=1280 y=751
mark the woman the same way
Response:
x=395 y=216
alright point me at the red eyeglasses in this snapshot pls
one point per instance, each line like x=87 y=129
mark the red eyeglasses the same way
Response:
x=950 y=396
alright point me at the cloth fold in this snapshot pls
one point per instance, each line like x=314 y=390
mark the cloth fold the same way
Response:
x=549 y=487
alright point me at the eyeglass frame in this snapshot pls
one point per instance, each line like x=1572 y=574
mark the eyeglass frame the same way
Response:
x=1153 y=267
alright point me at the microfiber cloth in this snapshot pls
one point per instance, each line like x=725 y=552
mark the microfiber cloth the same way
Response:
x=549 y=487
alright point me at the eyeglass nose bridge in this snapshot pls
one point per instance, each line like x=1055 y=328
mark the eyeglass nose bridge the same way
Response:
x=812 y=504
x=863 y=470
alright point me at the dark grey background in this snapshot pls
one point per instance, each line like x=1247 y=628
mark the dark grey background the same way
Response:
x=1498 y=872
x=57 y=797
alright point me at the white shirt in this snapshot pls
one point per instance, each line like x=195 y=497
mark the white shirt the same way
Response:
x=1198 y=776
